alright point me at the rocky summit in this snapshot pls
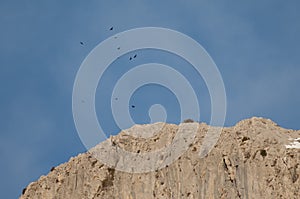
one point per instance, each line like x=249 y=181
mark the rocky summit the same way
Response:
x=256 y=158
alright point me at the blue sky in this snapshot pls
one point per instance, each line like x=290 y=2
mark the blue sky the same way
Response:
x=255 y=45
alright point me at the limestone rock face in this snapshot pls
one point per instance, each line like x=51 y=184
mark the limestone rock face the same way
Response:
x=254 y=159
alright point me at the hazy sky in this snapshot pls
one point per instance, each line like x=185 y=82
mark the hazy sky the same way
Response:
x=255 y=45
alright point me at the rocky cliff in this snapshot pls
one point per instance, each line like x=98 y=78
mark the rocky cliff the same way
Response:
x=253 y=159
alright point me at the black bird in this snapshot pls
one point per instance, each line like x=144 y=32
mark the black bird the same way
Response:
x=130 y=58
x=132 y=106
x=52 y=168
x=81 y=43
x=135 y=56
x=24 y=190
x=188 y=121
x=111 y=28
x=119 y=48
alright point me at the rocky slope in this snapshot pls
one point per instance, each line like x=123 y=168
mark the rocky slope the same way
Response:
x=254 y=159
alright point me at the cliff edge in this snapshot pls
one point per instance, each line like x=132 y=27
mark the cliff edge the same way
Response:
x=256 y=158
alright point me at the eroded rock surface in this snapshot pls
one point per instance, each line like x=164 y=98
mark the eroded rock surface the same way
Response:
x=254 y=159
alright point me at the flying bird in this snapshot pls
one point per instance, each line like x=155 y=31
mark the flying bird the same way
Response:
x=81 y=43
x=130 y=58
x=132 y=106
x=111 y=28
x=119 y=48
x=135 y=56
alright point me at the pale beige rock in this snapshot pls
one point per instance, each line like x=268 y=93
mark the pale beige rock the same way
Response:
x=250 y=160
